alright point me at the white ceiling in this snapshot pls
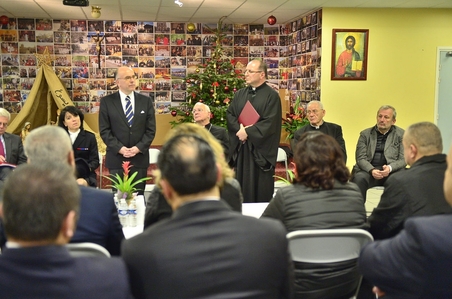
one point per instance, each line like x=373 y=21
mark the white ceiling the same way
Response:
x=197 y=11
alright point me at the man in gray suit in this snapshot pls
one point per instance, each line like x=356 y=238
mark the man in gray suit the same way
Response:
x=128 y=137
x=379 y=151
x=205 y=250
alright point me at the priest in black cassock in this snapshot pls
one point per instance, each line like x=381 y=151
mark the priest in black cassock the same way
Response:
x=201 y=115
x=253 y=148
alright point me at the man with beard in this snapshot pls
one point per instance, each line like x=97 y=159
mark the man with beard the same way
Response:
x=344 y=65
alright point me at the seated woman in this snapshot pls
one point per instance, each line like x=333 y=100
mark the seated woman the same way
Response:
x=320 y=198
x=84 y=145
x=156 y=206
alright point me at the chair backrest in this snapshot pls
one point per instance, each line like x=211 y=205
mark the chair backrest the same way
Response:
x=153 y=155
x=327 y=261
x=87 y=249
x=327 y=245
x=282 y=155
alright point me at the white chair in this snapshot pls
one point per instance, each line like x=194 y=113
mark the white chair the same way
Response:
x=326 y=246
x=87 y=249
x=153 y=157
x=282 y=157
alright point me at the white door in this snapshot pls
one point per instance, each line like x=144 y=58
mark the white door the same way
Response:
x=444 y=96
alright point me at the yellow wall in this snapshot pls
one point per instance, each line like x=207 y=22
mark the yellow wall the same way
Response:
x=401 y=67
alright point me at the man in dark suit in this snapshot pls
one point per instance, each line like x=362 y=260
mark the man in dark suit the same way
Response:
x=379 y=151
x=416 y=191
x=11 y=149
x=417 y=262
x=128 y=137
x=201 y=115
x=315 y=114
x=205 y=250
x=40 y=206
x=99 y=222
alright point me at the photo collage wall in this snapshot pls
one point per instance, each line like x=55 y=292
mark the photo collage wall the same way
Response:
x=86 y=55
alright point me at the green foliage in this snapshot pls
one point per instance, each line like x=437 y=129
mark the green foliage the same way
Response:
x=285 y=180
x=213 y=83
x=295 y=120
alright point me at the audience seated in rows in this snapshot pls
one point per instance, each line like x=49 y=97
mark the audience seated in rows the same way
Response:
x=157 y=207
x=416 y=191
x=416 y=263
x=379 y=151
x=98 y=222
x=40 y=210
x=320 y=198
x=205 y=250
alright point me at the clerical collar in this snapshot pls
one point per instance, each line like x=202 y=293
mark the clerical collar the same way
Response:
x=317 y=127
x=208 y=126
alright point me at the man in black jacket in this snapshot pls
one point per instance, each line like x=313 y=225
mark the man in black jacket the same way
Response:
x=416 y=191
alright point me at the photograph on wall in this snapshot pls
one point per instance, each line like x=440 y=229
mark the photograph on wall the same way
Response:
x=349 y=54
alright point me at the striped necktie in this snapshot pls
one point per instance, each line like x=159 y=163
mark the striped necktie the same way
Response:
x=129 y=111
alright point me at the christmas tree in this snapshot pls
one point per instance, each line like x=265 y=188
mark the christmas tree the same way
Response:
x=213 y=83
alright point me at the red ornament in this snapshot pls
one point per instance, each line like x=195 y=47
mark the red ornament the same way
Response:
x=271 y=20
x=226 y=88
x=211 y=115
x=234 y=90
x=173 y=113
x=4 y=20
x=187 y=113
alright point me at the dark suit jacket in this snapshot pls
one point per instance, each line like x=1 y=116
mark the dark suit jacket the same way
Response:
x=14 y=149
x=414 y=264
x=116 y=133
x=157 y=208
x=221 y=134
x=99 y=222
x=331 y=129
x=207 y=251
x=50 y=272
x=85 y=147
x=417 y=191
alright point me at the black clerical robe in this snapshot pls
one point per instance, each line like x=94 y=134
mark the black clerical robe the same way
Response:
x=255 y=160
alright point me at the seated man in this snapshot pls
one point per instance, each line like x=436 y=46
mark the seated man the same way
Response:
x=205 y=250
x=39 y=209
x=379 y=151
x=416 y=191
x=416 y=263
x=201 y=115
x=315 y=114
x=99 y=222
x=11 y=149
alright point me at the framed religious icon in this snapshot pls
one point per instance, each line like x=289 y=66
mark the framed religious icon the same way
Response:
x=349 y=54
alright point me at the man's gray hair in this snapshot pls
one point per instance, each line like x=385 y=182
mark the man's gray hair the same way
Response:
x=386 y=107
x=315 y=102
x=48 y=143
x=5 y=113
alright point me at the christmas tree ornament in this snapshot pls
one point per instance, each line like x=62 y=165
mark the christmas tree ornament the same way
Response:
x=226 y=88
x=217 y=102
x=191 y=27
x=174 y=113
x=197 y=70
x=187 y=113
x=271 y=20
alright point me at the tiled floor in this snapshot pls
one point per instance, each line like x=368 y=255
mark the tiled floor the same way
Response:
x=373 y=198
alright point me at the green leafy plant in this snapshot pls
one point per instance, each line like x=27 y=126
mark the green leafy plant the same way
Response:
x=125 y=185
x=285 y=180
x=295 y=120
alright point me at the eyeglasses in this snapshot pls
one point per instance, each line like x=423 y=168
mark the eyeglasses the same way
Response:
x=4 y=124
x=252 y=72
x=128 y=78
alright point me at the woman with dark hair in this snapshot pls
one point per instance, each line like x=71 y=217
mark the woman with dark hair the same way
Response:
x=84 y=145
x=321 y=197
